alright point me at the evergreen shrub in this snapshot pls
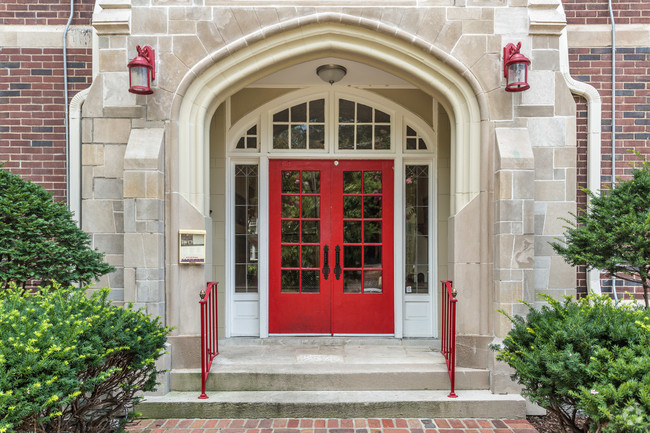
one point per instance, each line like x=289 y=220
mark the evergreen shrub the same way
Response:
x=588 y=357
x=39 y=239
x=72 y=363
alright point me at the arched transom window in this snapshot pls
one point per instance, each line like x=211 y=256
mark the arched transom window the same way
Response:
x=331 y=123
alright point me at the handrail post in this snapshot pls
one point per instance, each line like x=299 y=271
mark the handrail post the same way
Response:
x=209 y=335
x=448 y=343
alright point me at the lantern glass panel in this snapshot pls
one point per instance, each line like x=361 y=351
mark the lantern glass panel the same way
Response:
x=139 y=76
x=517 y=73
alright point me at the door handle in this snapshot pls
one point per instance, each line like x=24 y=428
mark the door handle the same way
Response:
x=337 y=267
x=326 y=265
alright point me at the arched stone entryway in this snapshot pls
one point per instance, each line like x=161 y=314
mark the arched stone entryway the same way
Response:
x=209 y=83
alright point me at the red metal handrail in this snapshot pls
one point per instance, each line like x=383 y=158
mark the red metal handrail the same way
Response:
x=448 y=340
x=209 y=332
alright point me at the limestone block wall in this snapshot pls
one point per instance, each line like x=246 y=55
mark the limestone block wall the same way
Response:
x=498 y=234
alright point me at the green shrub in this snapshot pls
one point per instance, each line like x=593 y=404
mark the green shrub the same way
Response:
x=39 y=239
x=587 y=356
x=69 y=363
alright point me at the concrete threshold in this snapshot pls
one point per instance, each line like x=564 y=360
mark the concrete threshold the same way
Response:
x=338 y=404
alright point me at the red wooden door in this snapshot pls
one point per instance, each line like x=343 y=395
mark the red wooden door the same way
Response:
x=331 y=247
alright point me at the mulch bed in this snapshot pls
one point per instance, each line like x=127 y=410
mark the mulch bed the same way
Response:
x=548 y=423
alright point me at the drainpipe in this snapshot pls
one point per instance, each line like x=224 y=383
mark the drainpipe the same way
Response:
x=594 y=108
x=65 y=91
x=611 y=17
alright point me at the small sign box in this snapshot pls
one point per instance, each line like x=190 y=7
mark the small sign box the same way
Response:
x=191 y=246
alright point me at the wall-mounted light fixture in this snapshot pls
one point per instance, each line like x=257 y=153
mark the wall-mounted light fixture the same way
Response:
x=142 y=71
x=331 y=73
x=515 y=68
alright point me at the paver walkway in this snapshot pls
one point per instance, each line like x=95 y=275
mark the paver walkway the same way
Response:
x=310 y=425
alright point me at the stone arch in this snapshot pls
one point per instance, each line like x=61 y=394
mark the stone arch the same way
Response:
x=271 y=49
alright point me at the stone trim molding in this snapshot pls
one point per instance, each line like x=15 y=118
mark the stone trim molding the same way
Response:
x=43 y=36
x=112 y=17
x=269 y=49
x=546 y=17
x=600 y=35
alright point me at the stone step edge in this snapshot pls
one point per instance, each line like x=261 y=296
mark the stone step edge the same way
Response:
x=325 y=369
x=339 y=404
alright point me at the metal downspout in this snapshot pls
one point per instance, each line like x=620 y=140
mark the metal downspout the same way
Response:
x=65 y=102
x=611 y=17
x=594 y=118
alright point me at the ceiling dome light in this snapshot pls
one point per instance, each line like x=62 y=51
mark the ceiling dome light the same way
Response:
x=331 y=73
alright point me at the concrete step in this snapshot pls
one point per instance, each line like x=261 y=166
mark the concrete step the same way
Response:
x=339 y=404
x=329 y=377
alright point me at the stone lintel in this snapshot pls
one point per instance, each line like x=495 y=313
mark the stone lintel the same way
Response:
x=514 y=151
x=144 y=149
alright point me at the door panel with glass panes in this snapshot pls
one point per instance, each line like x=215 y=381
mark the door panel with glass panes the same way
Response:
x=331 y=247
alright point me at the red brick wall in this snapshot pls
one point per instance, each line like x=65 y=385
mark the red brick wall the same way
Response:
x=45 y=12
x=593 y=65
x=32 y=129
x=597 y=11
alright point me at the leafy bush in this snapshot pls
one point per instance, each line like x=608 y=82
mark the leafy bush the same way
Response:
x=39 y=239
x=72 y=363
x=587 y=355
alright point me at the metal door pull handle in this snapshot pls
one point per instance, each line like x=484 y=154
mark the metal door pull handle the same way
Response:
x=337 y=267
x=326 y=265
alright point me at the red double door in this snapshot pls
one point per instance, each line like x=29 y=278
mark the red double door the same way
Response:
x=331 y=247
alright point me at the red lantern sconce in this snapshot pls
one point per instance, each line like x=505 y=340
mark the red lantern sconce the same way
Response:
x=142 y=71
x=515 y=68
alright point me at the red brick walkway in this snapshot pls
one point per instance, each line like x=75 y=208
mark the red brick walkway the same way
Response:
x=309 y=425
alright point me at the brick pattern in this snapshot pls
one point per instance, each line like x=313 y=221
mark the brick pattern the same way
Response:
x=597 y=11
x=310 y=425
x=45 y=12
x=32 y=129
x=593 y=65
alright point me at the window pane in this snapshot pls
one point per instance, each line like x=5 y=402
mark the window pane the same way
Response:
x=346 y=111
x=316 y=137
x=352 y=282
x=364 y=136
x=280 y=136
x=346 y=137
x=372 y=282
x=310 y=282
x=282 y=116
x=372 y=182
x=246 y=242
x=310 y=182
x=311 y=232
x=352 y=182
x=364 y=114
x=290 y=206
x=317 y=111
x=290 y=181
x=310 y=206
x=290 y=257
x=381 y=117
x=290 y=281
x=311 y=256
x=382 y=137
x=299 y=136
x=417 y=229
x=352 y=232
x=299 y=113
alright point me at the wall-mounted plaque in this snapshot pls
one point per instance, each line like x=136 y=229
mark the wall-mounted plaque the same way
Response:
x=191 y=246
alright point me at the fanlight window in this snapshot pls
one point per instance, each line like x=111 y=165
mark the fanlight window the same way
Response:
x=249 y=139
x=300 y=127
x=362 y=127
x=414 y=141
